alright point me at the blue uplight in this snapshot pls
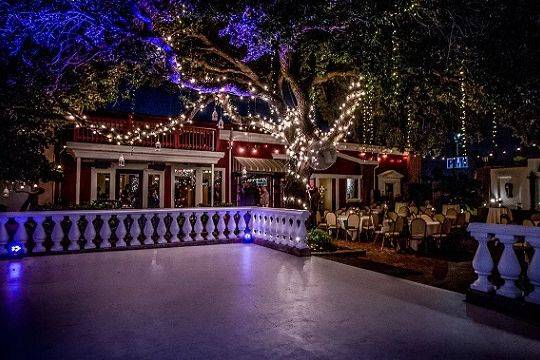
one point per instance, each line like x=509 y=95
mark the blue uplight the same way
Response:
x=15 y=249
x=247 y=235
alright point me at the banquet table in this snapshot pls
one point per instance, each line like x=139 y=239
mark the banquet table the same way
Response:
x=494 y=214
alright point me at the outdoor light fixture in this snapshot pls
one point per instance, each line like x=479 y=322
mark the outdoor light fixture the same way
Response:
x=121 y=161
x=158 y=146
x=248 y=238
x=15 y=249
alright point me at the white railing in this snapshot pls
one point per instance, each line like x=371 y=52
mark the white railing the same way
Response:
x=508 y=265
x=62 y=231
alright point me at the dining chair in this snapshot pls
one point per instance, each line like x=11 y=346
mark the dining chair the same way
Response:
x=392 y=215
x=445 y=229
x=353 y=227
x=418 y=231
x=395 y=230
x=331 y=223
x=439 y=217
x=528 y=222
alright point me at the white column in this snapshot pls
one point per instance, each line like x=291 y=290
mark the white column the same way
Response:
x=533 y=273
x=241 y=224
x=198 y=186
x=212 y=186
x=508 y=268
x=482 y=264
x=78 y=182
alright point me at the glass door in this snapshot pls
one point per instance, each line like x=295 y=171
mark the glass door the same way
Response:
x=184 y=188
x=129 y=188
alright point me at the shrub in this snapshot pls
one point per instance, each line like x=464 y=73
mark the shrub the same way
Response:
x=319 y=240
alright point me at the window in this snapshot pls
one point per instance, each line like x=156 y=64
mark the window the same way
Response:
x=352 y=189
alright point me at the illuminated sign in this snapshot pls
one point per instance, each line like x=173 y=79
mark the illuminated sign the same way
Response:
x=461 y=162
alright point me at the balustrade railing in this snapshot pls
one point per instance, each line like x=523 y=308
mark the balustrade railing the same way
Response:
x=508 y=265
x=187 y=137
x=64 y=231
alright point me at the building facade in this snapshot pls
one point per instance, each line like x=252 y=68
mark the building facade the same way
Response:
x=203 y=166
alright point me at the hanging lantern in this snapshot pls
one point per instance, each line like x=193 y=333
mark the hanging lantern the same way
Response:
x=220 y=124
x=244 y=171
x=158 y=146
x=121 y=161
x=214 y=115
x=5 y=193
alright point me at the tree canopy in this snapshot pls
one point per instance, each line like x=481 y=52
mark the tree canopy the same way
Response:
x=405 y=74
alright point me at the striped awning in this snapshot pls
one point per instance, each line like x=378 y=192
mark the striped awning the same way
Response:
x=258 y=165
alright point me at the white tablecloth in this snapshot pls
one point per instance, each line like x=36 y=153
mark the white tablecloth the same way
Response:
x=494 y=214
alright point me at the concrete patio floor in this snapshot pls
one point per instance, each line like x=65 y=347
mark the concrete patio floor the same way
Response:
x=237 y=301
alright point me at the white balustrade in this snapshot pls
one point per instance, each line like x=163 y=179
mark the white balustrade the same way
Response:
x=121 y=231
x=231 y=225
x=533 y=273
x=4 y=236
x=74 y=234
x=508 y=265
x=210 y=226
x=198 y=226
x=148 y=230
x=174 y=229
x=39 y=234
x=161 y=228
x=280 y=226
x=57 y=234
x=221 y=226
x=89 y=231
x=135 y=229
x=186 y=227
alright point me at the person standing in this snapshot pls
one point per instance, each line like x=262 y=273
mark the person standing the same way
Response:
x=265 y=197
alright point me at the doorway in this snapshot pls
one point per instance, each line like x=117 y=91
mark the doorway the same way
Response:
x=129 y=188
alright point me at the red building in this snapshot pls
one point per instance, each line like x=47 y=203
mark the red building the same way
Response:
x=201 y=165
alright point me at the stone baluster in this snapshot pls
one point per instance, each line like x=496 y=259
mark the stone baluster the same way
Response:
x=39 y=235
x=241 y=224
x=533 y=272
x=303 y=231
x=74 y=234
x=21 y=235
x=249 y=223
x=270 y=229
x=221 y=226
x=290 y=230
x=161 y=228
x=198 y=226
x=482 y=264
x=174 y=228
x=264 y=226
x=148 y=230
x=4 y=237
x=186 y=227
x=121 y=231
x=210 y=226
x=231 y=225
x=135 y=230
x=280 y=228
x=509 y=268
x=254 y=224
x=90 y=232
x=105 y=231
x=57 y=234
